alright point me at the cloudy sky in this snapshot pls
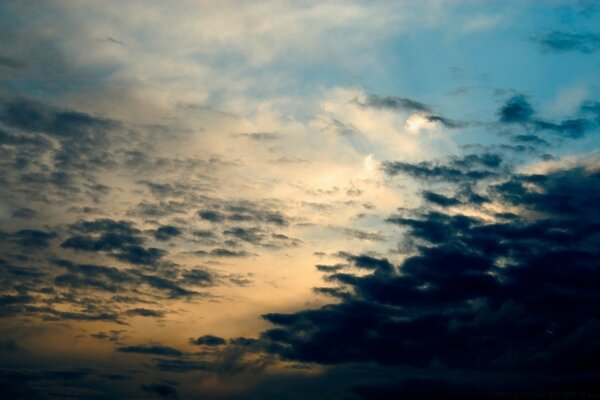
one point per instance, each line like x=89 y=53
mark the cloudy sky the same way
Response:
x=299 y=199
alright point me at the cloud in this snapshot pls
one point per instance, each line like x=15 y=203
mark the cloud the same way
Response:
x=212 y=216
x=471 y=167
x=152 y=349
x=208 y=340
x=114 y=335
x=130 y=173
x=32 y=116
x=11 y=346
x=465 y=299
x=221 y=252
x=119 y=239
x=174 y=289
x=167 y=232
x=144 y=312
x=396 y=103
x=422 y=388
x=518 y=110
x=410 y=106
x=33 y=238
x=162 y=390
x=198 y=277
x=259 y=136
x=562 y=42
x=24 y=213
x=440 y=199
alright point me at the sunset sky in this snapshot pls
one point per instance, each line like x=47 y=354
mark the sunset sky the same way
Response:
x=299 y=199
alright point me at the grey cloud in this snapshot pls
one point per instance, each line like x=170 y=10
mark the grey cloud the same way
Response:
x=208 y=340
x=151 y=349
x=396 y=103
x=518 y=110
x=562 y=42
x=144 y=312
x=259 y=136
x=411 y=106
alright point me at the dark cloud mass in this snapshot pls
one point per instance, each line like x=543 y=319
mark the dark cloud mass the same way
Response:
x=31 y=116
x=518 y=110
x=208 y=340
x=397 y=103
x=561 y=42
x=163 y=390
x=119 y=239
x=468 y=168
x=502 y=296
x=411 y=106
x=151 y=349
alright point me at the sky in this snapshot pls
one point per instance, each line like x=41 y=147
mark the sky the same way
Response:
x=299 y=199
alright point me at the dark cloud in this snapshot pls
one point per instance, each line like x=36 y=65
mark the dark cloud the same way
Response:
x=33 y=238
x=411 y=106
x=362 y=234
x=110 y=279
x=446 y=122
x=396 y=103
x=591 y=109
x=212 y=216
x=440 y=199
x=152 y=349
x=518 y=110
x=159 y=209
x=167 y=232
x=222 y=252
x=106 y=225
x=162 y=390
x=144 y=312
x=424 y=388
x=11 y=63
x=572 y=128
x=83 y=140
x=251 y=235
x=469 y=168
x=32 y=116
x=87 y=276
x=24 y=213
x=10 y=346
x=140 y=255
x=515 y=294
x=260 y=236
x=31 y=383
x=208 y=340
x=23 y=140
x=115 y=41
x=368 y=262
x=245 y=211
x=114 y=335
x=329 y=268
x=120 y=239
x=562 y=42
x=533 y=139
x=198 y=277
x=51 y=314
x=181 y=366
x=164 y=284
